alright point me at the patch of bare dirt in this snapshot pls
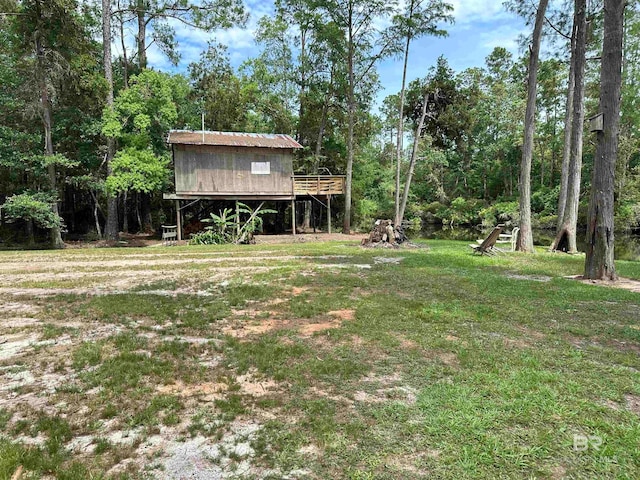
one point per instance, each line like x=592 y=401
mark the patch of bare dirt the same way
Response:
x=533 y=278
x=365 y=397
x=387 y=260
x=409 y=463
x=252 y=312
x=624 y=346
x=304 y=328
x=558 y=472
x=384 y=380
x=306 y=237
x=611 y=404
x=633 y=403
x=401 y=393
x=515 y=343
x=16 y=344
x=407 y=343
x=448 y=358
x=18 y=322
x=531 y=333
x=16 y=308
x=276 y=301
x=310 y=450
x=358 y=293
x=242 y=330
x=255 y=387
x=455 y=339
x=628 y=284
x=343 y=314
x=340 y=316
x=295 y=291
x=208 y=391
x=308 y=329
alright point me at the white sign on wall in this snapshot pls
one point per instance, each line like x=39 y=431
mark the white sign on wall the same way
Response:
x=261 y=168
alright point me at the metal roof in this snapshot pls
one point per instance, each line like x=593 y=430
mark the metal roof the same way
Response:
x=232 y=139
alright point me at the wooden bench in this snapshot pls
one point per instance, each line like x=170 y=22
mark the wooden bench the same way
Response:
x=170 y=234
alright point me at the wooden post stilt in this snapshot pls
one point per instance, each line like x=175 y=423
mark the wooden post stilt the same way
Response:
x=237 y=220
x=313 y=216
x=179 y=220
x=293 y=216
x=329 y=213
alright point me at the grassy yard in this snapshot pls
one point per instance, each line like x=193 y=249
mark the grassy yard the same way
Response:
x=318 y=360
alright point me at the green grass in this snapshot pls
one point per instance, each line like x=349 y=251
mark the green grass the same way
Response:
x=453 y=366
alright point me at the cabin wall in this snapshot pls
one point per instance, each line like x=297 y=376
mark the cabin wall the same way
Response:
x=202 y=169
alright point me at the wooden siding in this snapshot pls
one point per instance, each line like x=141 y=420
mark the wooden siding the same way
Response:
x=227 y=170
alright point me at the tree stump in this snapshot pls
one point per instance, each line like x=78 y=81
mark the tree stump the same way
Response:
x=384 y=234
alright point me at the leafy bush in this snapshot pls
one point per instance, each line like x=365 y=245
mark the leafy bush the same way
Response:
x=501 y=212
x=433 y=208
x=368 y=212
x=461 y=212
x=627 y=216
x=545 y=222
x=545 y=201
x=225 y=226
x=207 y=237
x=34 y=207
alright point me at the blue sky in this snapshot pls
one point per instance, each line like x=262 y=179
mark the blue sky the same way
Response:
x=480 y=26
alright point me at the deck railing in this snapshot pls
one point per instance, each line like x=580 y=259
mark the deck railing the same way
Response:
x=318 y=184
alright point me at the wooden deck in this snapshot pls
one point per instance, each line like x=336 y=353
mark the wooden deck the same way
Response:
x=318 y=185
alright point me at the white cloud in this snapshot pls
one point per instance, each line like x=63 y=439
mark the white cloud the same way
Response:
x=468 y=11
x=505 y=35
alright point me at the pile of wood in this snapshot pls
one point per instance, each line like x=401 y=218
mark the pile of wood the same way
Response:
x=384 y=235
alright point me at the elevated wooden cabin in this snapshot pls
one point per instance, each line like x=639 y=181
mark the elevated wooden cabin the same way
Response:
x=242 y=166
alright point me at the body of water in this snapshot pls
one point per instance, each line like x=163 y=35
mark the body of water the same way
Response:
x=627 y=244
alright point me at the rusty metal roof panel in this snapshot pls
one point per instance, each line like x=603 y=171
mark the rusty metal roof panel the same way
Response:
x=232 y=139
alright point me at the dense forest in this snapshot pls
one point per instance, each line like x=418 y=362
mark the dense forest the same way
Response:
x=82 y=131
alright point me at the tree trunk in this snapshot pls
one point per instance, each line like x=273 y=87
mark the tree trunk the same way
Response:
x=45 y=103
x=125 y=213
x=141 y=38
x=525 y=239
x=568 y=120
x=138 y=217
x=323 y=122
x=306 y=222
x=412 y=162
x=125 y=60
x=303 y=84
x=399 y=140
x=570 y=216
x=96 y=219
x=599 y=262
x=542 y=161
x=111 y=226
x=31 y=238
x=145 y=207
x=346 y=228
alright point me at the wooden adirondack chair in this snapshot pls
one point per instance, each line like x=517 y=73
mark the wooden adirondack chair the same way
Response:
x=488 y=245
